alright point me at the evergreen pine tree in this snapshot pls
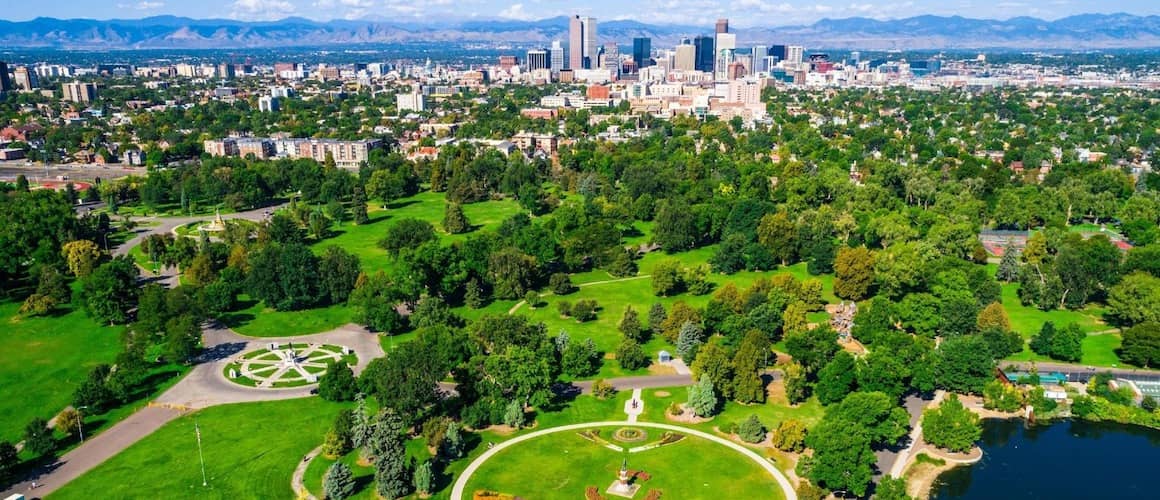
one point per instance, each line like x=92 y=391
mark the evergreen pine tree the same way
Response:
x=1009 y=265
x=454 y=220
x=474 y=294
x=1042 y=341
x=359 y=206
x=656 y=316
x=424 y=478
x=392 y=469
x=630 y=324
x=339 y=482
x=703 y=397
x=688 y=341
x=453 y=442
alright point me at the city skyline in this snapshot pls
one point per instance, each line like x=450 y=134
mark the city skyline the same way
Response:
x=746 y=13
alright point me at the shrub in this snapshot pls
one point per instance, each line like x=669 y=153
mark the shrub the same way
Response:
x=561 y=284
x=603 y=389
x=564 y=307
x=584 y=310
x=751 y=430
x=532 y=298
x=790 y=436
x=631 y=356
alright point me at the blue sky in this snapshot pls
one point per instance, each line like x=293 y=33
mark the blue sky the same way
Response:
x=741 y=12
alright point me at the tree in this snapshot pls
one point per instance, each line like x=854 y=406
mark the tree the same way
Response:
x=38 y=438
x=790 y=436
x=424 y=478
x=1001 y=397
x=407 y=233
x=1134 y=299
x=359 y=206
x=110 y=292
x=713 y=361
x=81 y=256
x=778 y=234
x=794 y=319
x=751 y=430
x=338 y=383
x=1041 y=342
x=392 y=474
x=875 y=413
x=561 y=284
x=1067 y=344
x=689 y=340
x=629 y=324
x=513 y=415
x=453 y=442
x=580 y=359
x=454 y=221
x=52 y=290
x=473 y=295
x=93 y=392
x=1141 y=345
x=797 y=386
x=585 y=310
x=339 y=482
x=338 y=272
x=667 y=278
x=951 y=426
x=511 y=272
x=964 y=364
x=813 y=348
x=69 y=421
x=1009 y=264
x=853 y=273
x=656 y=317
x=675 y=230
x=631 y=356
x=748 y=364
x=843 y=459
x=703 y=398
x=284 y=276
x=730 y=255
x=836 y=379
x=993 y=316
x=8 y=460
x=680 y=314
x=891 y=488
x=182 y=335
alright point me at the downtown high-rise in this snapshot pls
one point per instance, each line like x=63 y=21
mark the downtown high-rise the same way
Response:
x=582 y=46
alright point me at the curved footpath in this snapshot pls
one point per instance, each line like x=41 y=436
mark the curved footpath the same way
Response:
x=457 y=492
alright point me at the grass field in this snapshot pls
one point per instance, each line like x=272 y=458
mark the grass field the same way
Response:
x=562 y=465
x=771 y=413
x=362 y=240
x=1098 y=349
x=250 y=449
x=257 y=320
x=44 y=360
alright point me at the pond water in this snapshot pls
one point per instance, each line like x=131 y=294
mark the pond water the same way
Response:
x=1067 y=459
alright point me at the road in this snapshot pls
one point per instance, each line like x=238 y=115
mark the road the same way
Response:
x=205 y=385
x=914 y=405
x=95 y=451
x=1081 y=373
x=168 y=224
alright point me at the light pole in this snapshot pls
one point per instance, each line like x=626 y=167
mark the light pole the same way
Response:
x=197 y=429
x=81 y=422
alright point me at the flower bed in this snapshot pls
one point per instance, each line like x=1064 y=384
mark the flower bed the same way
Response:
x=629 y=435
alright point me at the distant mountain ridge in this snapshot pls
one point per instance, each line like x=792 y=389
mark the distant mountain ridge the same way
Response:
x=1085 y=31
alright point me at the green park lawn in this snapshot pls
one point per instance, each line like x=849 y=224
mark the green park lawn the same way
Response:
x=657 y=402
x=1099 y=349
x=562 y=465
x=362 y=240
x=250 y=449
x=44 y=360
x=257 y=320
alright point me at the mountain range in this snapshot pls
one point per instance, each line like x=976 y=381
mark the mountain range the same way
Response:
x=1087 y=31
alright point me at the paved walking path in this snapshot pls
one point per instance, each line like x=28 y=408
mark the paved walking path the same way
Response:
x=903 y=456
x=634 y=406
x=296 y=482
x=96 y=450
x=205 y=385
x=168 y=224
x=458 y=491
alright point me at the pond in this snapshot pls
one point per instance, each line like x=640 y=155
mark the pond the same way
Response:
x=1067 y=459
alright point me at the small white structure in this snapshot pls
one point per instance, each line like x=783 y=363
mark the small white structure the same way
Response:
x=233 y=373
x=664 y=357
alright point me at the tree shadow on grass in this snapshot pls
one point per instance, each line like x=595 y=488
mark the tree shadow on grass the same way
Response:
x=234 y=320
x=395 y=205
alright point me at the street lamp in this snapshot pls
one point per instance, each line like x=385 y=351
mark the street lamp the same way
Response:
x=81 y=422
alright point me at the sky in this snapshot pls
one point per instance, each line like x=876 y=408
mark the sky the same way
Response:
x=742 y=13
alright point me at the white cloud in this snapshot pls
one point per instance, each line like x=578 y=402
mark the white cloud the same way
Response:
x=143 y=5
x=515 y=11
x=261 y=10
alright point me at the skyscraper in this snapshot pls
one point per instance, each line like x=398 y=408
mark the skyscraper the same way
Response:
x=642 y=52
x=704 y=53
x=582 y=48
x=25 y=78
x=794 y=53
x=590 y=45
x=5 y=83
x=722 y=26
x=575 y=43
x=777 y=51
x=556 y=57
x=726 y=44
x=611 y=59
x=686 y=57
x=537 y=59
